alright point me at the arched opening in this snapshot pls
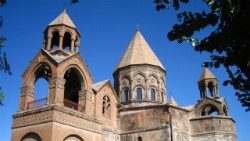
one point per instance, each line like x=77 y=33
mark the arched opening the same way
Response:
x=106 y=106
x=72 y=87
x=211 y=89
x=210 y=110
x=152 y=91
x=39 y=81
x=31 y=137
x=73 y=138
x=139 y=138
x=139 y=93
x=67 y=41
x=126 y=95
x=55 y=40
x=41 y=88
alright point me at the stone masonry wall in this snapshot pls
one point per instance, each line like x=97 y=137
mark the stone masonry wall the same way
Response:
x=217 y=128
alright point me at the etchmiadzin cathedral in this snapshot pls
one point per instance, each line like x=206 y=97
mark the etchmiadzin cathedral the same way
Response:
x=134 y=108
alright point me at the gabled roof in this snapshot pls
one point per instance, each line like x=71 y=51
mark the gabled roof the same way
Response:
x=206 y=74
x=64 y=19
x=139 y=52
x=99 y=85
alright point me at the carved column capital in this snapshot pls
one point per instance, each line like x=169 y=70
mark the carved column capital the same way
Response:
x=57 y=82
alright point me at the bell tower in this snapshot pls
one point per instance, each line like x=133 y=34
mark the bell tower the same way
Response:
x=67 y=112
x=211 y=120
x=208 y=86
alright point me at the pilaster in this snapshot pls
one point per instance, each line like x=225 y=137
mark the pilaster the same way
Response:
x=56 y=91
x=27 y=95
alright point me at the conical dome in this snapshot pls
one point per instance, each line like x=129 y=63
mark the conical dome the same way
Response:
x=207 y=74
x=64 y=19
x=139 y=52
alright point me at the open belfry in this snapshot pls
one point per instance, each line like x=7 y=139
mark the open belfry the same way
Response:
x=134 y=109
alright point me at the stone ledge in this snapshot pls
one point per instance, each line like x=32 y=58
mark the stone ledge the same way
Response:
x=212 y=133
x=144 y=130
x=211 y=117
x=163 y=106
x=62 y=115
x=56 y=108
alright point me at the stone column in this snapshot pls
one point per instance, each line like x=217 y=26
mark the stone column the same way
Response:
x=89 y=109
x=72 y=47
x=206 y=92
x=48 y=46
x=216 y=92
x=146 y=90
x=82 y=100
x=132 y=96
x=61 y=42
x=27 y=95
x=56 y=91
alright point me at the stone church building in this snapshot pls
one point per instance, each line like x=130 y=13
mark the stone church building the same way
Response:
x=135 y=108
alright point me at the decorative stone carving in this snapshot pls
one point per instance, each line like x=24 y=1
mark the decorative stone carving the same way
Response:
x=56 y=91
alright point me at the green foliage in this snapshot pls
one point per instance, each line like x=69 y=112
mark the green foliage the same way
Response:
x=4 y=65
x=74 y=1
x=228 y=43
x=1 y=97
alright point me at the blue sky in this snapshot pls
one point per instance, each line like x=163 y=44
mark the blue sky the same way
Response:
x=107 y=27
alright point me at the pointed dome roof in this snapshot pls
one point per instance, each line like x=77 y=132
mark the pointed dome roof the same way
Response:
x=64 y=19
x=139 y=52
x=206 y=74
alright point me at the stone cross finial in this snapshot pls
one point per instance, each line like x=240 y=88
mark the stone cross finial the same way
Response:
x=138 y=27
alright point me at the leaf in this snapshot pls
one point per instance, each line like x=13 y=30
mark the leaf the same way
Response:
x=74 y=1
x=176 y=4
x=1 y=96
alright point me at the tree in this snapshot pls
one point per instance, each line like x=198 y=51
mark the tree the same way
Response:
x=4 y=65
x=228 y=42
x=1 y=97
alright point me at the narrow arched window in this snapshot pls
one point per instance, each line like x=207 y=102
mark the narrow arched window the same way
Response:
x=139 y=138
x=153 y=94
x=106 y=106
x=126 y=95
x=139 y=93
